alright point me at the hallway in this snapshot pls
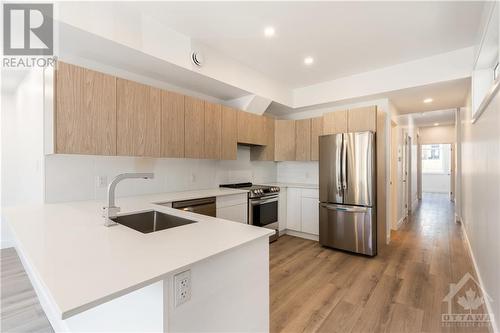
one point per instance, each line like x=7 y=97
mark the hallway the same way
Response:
x=401 y=290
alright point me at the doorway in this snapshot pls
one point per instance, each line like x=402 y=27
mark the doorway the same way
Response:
x=437 y=169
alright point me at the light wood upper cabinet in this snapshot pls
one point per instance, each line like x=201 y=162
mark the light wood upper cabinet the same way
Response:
x=172 y=124
x=362 y=119
x=138 y=119
x=265 y=152
x=284 y=136
x=213 y=131
x=316 y=131
x=335 y=122
x=229 y=145
x=194 y=127
x=303 y=140
x=251 y=128
x=85 y=111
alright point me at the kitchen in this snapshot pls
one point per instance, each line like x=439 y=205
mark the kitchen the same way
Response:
x=155 y=184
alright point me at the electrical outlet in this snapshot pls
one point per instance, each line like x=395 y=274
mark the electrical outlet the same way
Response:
x=182 y=287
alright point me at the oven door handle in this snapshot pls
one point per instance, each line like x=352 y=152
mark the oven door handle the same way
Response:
x=263 y=201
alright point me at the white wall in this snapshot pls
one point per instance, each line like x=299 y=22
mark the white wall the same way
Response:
x=21 y=146
x=437 y=134
x=74 y=177
x=401 y=212
x=412 y=133
x=480 y=195
x=22 y=142
x=435 y=183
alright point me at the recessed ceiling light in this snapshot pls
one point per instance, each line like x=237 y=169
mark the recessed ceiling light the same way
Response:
x=428 y=100
x=436 y=124
x=308 y=60
x=269 y=31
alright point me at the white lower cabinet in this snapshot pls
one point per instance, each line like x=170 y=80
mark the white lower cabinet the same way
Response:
x=233 y=207
x=310 y=216
x=293 y=216
x=236 y=213
x=303 y=210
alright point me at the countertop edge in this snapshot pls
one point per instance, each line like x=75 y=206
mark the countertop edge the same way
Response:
x=82 y=308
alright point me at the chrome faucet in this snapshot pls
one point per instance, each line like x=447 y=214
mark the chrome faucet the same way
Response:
x=111 y=210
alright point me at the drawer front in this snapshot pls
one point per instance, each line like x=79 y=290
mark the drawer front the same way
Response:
x=238 y=213
x=232 y=200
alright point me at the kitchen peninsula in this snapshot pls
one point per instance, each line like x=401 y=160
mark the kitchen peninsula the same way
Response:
x=95 y=278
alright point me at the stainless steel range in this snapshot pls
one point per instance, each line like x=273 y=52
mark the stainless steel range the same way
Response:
x=262 y=205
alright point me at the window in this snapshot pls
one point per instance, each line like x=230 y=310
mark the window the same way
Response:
x=436 y=158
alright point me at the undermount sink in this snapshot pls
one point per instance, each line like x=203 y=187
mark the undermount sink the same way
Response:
x=151 y=221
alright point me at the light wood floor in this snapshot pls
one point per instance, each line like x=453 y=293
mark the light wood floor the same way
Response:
x=315 y=289
x=20 y=309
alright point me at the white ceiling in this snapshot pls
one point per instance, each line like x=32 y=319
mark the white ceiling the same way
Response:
x=430 y=118
x=445 y=95
x=343 y=37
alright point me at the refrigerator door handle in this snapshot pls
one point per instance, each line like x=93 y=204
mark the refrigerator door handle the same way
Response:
x=338 y=171
x=344 y=163
x=344 y=208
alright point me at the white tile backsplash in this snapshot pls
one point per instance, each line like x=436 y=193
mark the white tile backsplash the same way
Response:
x=74 y=177
x=298 y=172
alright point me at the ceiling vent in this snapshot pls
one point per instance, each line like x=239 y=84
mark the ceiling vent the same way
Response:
x=197 y=58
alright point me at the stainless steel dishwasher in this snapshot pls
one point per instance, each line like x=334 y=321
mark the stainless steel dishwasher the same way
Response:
x=204 y=206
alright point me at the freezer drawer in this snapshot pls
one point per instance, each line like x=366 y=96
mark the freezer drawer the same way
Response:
x=350 y=228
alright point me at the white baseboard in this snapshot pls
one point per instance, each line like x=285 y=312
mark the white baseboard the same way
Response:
x=302 y=235
x=414 y=204
x=476 y=268
x=400 y=222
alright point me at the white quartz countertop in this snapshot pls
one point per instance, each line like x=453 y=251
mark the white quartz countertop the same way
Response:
x=295 y=185
x=80 y=263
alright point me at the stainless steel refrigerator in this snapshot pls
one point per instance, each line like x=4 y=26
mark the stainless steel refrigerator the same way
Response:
x=347 y=192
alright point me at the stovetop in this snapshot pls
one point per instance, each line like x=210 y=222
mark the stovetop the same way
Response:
x=254 y=191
